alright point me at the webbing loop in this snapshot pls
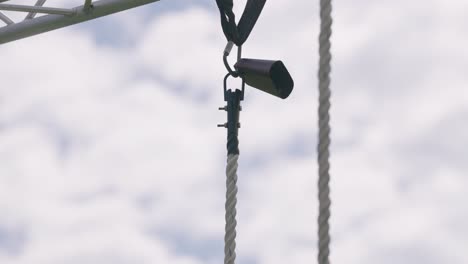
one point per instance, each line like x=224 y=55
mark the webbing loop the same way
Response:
x=238 y=33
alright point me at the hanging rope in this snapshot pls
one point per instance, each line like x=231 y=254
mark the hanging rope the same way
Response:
x=324 y=131
x=231 y=201
x=233 y=99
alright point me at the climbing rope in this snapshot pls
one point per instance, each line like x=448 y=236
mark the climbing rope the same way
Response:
x=233 y=107
x=231 y=201
x=324 y=131
x=235 y=34
x=233 y=99
x=257 y=73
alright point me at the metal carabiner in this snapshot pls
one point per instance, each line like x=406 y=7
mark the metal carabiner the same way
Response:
x=232 y=72
x=226 y=53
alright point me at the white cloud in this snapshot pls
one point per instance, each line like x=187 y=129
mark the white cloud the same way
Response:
x=110 y=154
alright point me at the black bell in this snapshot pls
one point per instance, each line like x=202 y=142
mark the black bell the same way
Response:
x=269 y=76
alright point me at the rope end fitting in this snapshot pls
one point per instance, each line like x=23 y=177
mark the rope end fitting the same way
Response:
x=233 y=98
x=233 y=124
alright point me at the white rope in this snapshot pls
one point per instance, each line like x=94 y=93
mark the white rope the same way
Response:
x=324 y=131
x=231 y=201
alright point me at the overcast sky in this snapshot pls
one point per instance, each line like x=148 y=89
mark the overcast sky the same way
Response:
x=109 y=150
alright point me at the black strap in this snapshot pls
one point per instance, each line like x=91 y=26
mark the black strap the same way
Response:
x=239 y=33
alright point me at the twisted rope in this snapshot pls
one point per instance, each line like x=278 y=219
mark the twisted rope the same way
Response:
x=231 y=201
x=324 y=131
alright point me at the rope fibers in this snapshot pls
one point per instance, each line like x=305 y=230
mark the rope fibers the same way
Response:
x=324 y=131
x=231 y=201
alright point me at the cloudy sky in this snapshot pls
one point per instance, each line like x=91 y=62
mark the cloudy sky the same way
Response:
x=109 y=151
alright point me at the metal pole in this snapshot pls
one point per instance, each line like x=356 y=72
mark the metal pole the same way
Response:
x=31 y=15
x=47 y=23
x=6 y=19
x=38 y=9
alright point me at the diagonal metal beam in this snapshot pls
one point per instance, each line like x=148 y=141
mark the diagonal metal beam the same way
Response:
x=38 y=9
x=31 y=15
x=47 y=23
x=6 y=19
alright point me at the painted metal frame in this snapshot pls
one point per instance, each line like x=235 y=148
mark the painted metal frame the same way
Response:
x=57 y=17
